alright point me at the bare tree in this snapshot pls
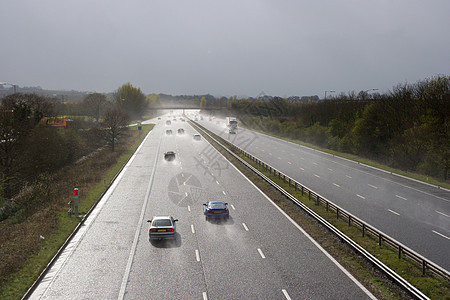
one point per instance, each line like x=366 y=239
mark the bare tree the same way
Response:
x=94 y=104
x=116 y=121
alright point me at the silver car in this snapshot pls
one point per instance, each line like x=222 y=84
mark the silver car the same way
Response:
x=162 y=227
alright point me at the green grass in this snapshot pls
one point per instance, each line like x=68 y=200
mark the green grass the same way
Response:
x=19 y=283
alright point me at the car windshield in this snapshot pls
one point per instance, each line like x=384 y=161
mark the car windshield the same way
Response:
x=217 y=205
x=162 y=222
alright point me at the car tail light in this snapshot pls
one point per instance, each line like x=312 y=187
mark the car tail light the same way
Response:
x=226 y=210
x=170 y=230
x=153 y=230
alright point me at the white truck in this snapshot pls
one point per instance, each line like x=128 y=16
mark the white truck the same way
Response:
x=231 y=124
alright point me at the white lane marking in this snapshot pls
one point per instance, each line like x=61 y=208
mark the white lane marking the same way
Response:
x=317 y=175
x=285 y=293
x=261 y=253
x=335 y=184
x=245 y=226
x=442 y=213
x=217 y=182
x=182 y=174
x=184 y=183
x=403 y=198
x=185 y=193
x=302 y=169
x=197 y=255
x=224 y=192
x=181 y=167
x=302 y=158
x=314 y=163
x=232 y=206
x=448 y=238
x=263 y=150
x=279 y=157
x=394 y=212
x=205 y=297
x=192 y=228
x=189 y=208
x=372 y=186
x=289 y=163
x=362 y=197
x=366 y=291
x=348 y=176
x=330 y=169
x=270 y=153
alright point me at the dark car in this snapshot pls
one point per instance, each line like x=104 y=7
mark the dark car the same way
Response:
x=169 y=155
x=197 y=137
x=162 y=227
x=216 y=209
x=181 y=131
x=168 y=122
x=169 y=131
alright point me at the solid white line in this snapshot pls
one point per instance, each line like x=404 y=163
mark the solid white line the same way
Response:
x=224 y=192
x=442 y=213
x=217 y=182
x=362 y=197
x=245 y=226
x=189 y=208
x=205 y=297
x=285 y=293
x=232 y=206
x=302 y=169
x=448 y=238
x=394 y=212
x=372 y=186
x=197 y=255
x=335 y=184
x=348 y=176
x=403 y=198
x=192 y=228
x=317 y=175
x=261 y=253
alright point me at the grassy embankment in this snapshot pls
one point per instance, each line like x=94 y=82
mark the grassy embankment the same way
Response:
x=93 y=177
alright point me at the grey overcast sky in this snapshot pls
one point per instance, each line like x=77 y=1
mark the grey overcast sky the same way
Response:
x=223 y=47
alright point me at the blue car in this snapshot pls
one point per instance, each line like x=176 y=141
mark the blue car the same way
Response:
x=216 y=209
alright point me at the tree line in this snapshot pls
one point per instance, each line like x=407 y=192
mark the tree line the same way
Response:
x=406 y=128
x=31 y=150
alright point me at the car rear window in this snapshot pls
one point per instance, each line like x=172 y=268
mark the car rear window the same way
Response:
x=217 y=205
x=164 y=222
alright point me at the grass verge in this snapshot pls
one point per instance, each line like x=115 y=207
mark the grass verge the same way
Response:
x=92 y=187
x=431 y=285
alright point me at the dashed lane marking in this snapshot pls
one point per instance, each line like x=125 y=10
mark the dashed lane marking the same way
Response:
x=394 y=212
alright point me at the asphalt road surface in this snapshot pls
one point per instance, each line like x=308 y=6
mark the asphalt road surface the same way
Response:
x=413 y=213
x=258 y=253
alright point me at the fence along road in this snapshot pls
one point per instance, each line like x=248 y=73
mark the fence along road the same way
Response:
x=415 y=214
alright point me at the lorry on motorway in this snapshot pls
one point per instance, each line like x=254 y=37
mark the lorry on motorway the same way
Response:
x=231 y=124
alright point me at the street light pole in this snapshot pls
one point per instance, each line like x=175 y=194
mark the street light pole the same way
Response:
x=326 y=94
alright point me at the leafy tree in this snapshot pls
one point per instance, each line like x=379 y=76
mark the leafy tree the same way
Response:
x=203 y=102
x=154 y=100
x=116 y=121
x=131 y=100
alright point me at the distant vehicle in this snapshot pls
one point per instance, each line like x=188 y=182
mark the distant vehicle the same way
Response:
x=162 y=227
x=57 y=122
x=168 y=122
x=180 y=131
x=232 y=131
x=231 y=122
x=201 y=118
x=169 y=155
x=169 y=131
x=197 y=137
x=216 y=209
x=159 y=118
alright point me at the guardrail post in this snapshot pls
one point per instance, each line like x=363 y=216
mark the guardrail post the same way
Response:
x=326 y=205
x=399 y=252
x=349 y=220
x=302 y=189
x=309 y=195
x=379 y=239
x=295 y=185
x=289 y=181
x=424 y=267
x=317 y=200
x=363 y=228
x=337 y=212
